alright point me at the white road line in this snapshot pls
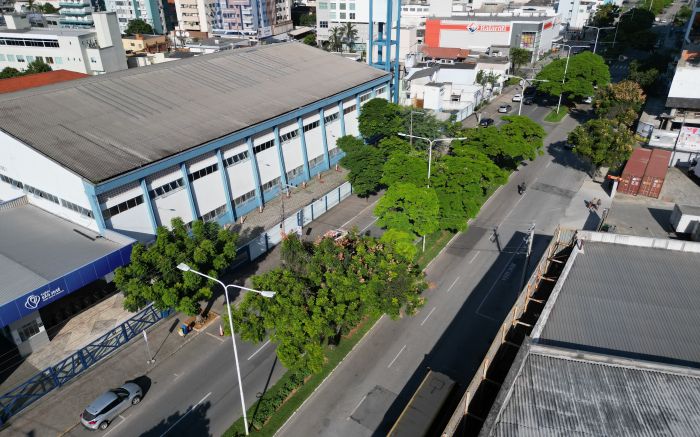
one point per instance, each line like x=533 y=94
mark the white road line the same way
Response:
x=221 y=339
x=259 y=349
x=453 y=284
x=365 y=228
x=357 y=406
x=507 y=264
x=512 y=209
x=360 y=213
x=397 y=355
x=185 y=415
x=176 y=376
x=116 y=425
x=548 y=163
x=486 y=317
x=474 y=257
x=426 y=317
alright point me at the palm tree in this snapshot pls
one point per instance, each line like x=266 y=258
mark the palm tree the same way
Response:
x=349 y=36
x=335 y=39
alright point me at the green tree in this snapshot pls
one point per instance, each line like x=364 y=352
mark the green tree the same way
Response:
x=349 y=35
x=138 y=26
x=365 y=164
x=408 y=208
x=585 y=71
x=519 y=57
x=390 y=145
x=380 y=118
x=323 y=298
x=307 y=20
x=605 y=15
x=645 y=77
x=632 y=21
x=682 y=16
x=520 y=138
x=484 y=78
x=48 y=8
x=620 y=101
x=9 y=72
x=603 y=142
x=310 y=39
x=152 y=276
x=424 y=123
x=335 y=39
x=402 y=242
x=37 y=66
x=402 y=167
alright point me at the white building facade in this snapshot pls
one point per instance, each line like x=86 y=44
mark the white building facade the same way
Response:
x=150 y=11
x=89 y=51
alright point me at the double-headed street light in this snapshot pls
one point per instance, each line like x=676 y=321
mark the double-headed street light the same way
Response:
x=566 y=68
x=520 y=106
x=598 y=29
x=185 y=268
x=430 y=154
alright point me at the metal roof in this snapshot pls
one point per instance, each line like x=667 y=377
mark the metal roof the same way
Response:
x=37 y=247
x=104 y=126
x=629 y=301
x=547 y=394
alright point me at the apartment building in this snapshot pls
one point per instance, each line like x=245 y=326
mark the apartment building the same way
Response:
x=255 y=19
x=150 y=11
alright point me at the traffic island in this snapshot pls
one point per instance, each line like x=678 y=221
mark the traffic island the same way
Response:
x=554 y=117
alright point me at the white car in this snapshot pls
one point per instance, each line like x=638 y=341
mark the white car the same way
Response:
x=588 y=100
x=517 y=97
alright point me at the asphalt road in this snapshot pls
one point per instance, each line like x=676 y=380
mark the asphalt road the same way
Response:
x=474 y=282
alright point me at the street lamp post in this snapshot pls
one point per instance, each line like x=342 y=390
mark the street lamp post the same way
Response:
x=430 y=154
x=411 y=132
x=185 y=268
x=598 y=29
x=520 y=106
x=566 y=68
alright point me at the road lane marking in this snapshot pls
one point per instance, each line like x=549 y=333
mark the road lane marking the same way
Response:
x=221 y=339
x=373 y=221
x=185 y=415
x=176 y=376
x=357 y=406
x=453 y=284
x=516 y=252
x=397 y=355
x=548 y=163
x=359 y=214
x=116 y=425
x=512 y=209
x=259 y=349
x=486 y=317
x=474 y=257
x=426 y=317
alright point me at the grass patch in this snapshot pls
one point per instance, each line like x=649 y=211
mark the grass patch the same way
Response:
x=433 y=245
x=553 y=117
x=334 y=356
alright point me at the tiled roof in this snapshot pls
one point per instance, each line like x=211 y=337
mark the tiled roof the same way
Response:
x=445 y=52
x=39 y=79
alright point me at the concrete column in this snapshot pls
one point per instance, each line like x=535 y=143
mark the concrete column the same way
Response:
x=256 y=173
x=325 y=139
x=227 y=188
x=149 y=205
x=280 y=158
x=190 y=194
x=304 y=154
x=342 y=118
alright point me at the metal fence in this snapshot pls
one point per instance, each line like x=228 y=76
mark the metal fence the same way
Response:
x=64 y=371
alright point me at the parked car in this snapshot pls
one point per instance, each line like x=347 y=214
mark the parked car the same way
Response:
x=101 y=412
x=486 y=122
x=517 y=97
x=504 y=108
x=528 y=100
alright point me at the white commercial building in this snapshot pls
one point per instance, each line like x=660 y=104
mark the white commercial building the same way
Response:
x=89 y=51
x=118 y=155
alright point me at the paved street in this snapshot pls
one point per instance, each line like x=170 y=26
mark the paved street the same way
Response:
x=474 y=283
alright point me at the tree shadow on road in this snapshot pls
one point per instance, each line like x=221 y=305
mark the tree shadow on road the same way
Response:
x=191 y=422
x=566 y=157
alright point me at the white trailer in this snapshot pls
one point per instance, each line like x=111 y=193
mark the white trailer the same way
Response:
x=684 y=218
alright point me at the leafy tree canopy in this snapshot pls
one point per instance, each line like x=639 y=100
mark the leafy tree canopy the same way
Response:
x=365 y=164
x=37 y=66
x=9 y=72
x=520 y=138
x=323 y=290
x=519 y=57
x=380 y=118
x=585 y=71
x=408 y=208
x=603 y=142
x=620 y=101
x=633 y=21
x=605 y=15
x=138 y=26
x=310 y=39
x=404 y=167
x=152 y=276
x=402 y=242
x=645 y=77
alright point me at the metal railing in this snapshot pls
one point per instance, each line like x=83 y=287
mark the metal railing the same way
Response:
x=65 y=370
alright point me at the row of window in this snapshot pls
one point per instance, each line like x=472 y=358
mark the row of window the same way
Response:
x=334 y=151
x=365 y=97
x=212 y=215
x=380 y=90
x=316 y=161
x=333 y=5
x=77 y=208
x=268 y=185
x=244 y=198
x=341 y=15
x=203 y=172
x=21 y=58
x=289 y=136
x=331 y=118
x=48 y=196
x=166 y=188
x=264 y=146
x=349 y=109
x=235 y=159
x=124 y=206
x=291 y=174
x=25 y=42
x=312 y=126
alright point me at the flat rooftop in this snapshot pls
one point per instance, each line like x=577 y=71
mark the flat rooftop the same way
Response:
x=553 y=393
x=44 y=32
x=628 y=301
x=500 y=17
x=685 y=86
x=104 y=126
x=37 y=247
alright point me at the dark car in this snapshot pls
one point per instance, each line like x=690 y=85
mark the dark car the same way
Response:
x=528 y=100
x=486 y=122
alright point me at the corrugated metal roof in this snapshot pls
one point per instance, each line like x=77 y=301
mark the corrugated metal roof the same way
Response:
x=630 y=301
x=37 y=247
x=107 y=125
x=556 y=396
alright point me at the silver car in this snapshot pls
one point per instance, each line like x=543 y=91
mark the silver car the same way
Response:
x=109 y=405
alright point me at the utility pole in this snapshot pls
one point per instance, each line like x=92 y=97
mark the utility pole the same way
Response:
x=529 y=238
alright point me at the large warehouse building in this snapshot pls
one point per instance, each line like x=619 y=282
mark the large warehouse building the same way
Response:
x=213 y=137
